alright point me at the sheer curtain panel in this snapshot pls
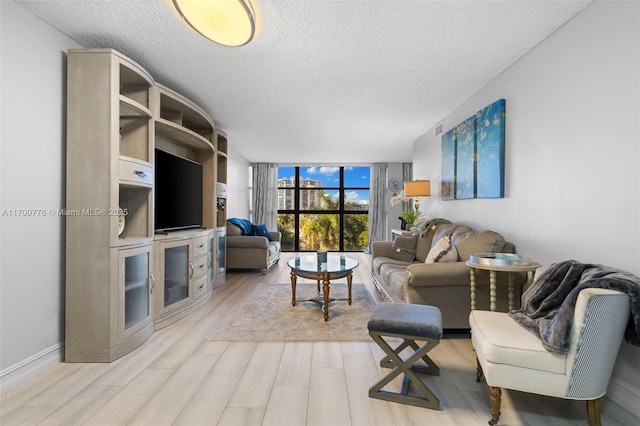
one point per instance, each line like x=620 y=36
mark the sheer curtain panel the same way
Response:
x=377 y=204
x=407 y=175
x=265 y=194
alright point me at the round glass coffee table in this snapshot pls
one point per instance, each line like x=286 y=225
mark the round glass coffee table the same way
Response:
x=311 y=267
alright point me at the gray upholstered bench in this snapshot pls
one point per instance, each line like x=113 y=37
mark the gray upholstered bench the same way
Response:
x=410 y=323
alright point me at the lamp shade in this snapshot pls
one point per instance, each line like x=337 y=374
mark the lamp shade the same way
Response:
x=417 y=188
x=226 y=22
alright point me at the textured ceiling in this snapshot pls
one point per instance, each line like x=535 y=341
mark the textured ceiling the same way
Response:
x=351 y=81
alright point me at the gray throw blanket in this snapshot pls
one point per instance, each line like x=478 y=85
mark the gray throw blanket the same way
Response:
x=548 y=305
x=422 y=228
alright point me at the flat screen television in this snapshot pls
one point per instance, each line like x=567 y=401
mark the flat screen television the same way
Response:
x=178 y=192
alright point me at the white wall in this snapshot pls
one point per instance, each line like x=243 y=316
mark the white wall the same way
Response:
x=238 y=185
x=572 y=155
x=33 y=173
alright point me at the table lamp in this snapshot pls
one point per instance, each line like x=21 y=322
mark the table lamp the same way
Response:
x=417 y=188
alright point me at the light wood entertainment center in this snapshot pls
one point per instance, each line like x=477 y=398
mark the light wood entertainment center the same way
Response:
x=124 y=280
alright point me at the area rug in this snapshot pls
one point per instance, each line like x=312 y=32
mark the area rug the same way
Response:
x=269 y=316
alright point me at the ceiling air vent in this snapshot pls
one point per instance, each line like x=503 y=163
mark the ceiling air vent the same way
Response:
x=439 y=128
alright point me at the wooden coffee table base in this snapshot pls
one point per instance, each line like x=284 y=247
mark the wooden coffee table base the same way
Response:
x=326 y=278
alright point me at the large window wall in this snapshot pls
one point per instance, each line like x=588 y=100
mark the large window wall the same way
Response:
x=323 y=207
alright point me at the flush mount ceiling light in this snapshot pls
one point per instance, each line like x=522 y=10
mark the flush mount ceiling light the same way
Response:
x=226 y=22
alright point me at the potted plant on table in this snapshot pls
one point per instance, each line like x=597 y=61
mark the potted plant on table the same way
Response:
x=409 y=217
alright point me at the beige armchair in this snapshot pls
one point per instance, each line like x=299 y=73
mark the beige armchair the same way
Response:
x=252 y=251
x=511 y=357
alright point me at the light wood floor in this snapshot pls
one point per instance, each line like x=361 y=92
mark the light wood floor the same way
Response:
x=179 y=377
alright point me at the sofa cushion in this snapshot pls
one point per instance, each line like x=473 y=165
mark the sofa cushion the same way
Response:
x=233 y=230
x=423 y=245
x=393 y=275
x=501 y=340
x=274 y=249
x=477 y=242
x=442 y=251
x=449 y=229
x=434 y=235
x=450 y=256
x=247 y=242
x=378 y=262
x=404 y=248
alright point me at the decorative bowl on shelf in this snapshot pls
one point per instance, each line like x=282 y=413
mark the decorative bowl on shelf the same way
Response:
x=499 y=259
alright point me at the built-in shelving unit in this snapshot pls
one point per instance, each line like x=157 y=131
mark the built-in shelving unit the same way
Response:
x=183 y=262
x=116 y=266
x=109 y=183
x=221 y=205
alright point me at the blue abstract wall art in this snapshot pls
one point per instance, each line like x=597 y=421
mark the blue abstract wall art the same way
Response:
x=473 y=156
x=465 y=159
x=490 y=151
x=447 y=182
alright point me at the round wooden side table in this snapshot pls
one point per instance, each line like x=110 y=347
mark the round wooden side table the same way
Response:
x=493 y=270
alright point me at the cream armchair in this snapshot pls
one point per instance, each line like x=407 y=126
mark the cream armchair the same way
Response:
x=511 y=357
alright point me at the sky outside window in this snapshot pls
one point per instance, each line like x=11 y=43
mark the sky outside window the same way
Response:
x=329 y=177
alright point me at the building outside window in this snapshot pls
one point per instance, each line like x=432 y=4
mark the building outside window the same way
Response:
x=323 y=207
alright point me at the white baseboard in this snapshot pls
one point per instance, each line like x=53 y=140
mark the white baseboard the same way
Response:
x=30 y=367
x=624 y=395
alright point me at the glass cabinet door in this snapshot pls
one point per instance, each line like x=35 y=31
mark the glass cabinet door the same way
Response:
x=176 y=273
x=134 y=288
x=221 y=235
x=210 y=259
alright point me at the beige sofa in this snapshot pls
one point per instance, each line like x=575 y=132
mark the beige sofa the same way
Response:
x=402 y=275
x=251 y=251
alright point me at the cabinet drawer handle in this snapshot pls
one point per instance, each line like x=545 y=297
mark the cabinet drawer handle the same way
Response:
x=140 y=173
x=201 y=245
x=201 y=286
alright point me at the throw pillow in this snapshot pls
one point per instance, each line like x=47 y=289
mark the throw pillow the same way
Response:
x=262 y=231
x=478 y=242
x=450 y=256
x=404 y=248
x=442 y=251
